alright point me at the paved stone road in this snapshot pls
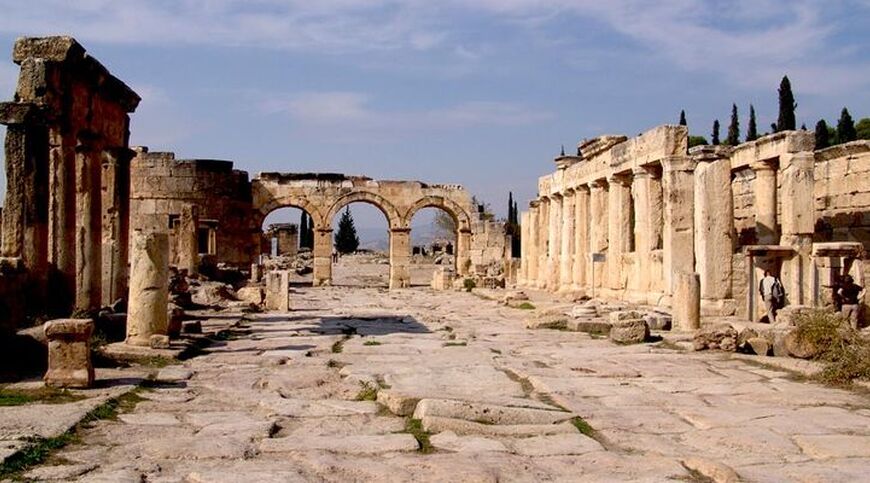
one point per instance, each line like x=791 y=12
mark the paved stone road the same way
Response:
x=277 y=404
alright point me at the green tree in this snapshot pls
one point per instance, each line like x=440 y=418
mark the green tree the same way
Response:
x=303 y=230
x=862 y=128
x=733 y=128
x=697 y=141
x=445 y=225
x=846 y=127
x=346 y=240
x=787 y=106
x=752 y=128
x=715 y=136
x=683 y=118
x=822 y=136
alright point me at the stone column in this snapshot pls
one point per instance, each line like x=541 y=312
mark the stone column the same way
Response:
x=678 y=237
x=543 y=242
x=62 y=218
x=554 y=248
x=641 y=189
x=400 y=258
x=597 y=231
x=278 y=290
x=714 y=232
x=764 y=188
x=686 y=301
x=618 y=228
x=115 y=198
x=463 y=251
x=322 y=256
x=524 y=249
x=798 y=225
x=187 y=239
x=25 y=214
x=149 y=288
x=581 y=237
x=566 y=257
x=532 y=243
x=88 y=239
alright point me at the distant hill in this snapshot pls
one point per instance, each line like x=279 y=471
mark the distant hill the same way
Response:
x=377 y=238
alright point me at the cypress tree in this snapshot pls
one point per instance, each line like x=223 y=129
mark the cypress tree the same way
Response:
x=303 y=230
x=752 y=128
x=822 y=139
x=787 y=105
x=510 y=207
x=346 y=240
x=683 y=118
x=846 y=127
x=733 y=128
x=715 y=137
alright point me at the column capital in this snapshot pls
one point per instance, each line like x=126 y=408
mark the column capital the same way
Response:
x=621 y=179
x=678 y=163
x=762 y=166
x=597 y=184
x=534 y=204
x=401 y=229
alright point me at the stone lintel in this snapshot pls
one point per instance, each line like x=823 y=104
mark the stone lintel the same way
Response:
x=710 y=154
x=119 y=155
x=852 y=148
x=12 y=113
x=75 y=329
x=54 y=49
x=838 y=249
x=776 y=251
x=764 y=165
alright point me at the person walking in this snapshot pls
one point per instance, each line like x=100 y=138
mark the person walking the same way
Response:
x=772 y=293
x=850 y=295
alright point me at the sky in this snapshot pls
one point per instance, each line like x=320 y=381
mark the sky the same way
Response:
x=477 y=92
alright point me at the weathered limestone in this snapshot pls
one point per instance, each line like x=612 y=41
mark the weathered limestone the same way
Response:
x=532 y=246
x=543 y=242
x=618 y=229
x=149 y=287
x=400 y=258
x=67 y=171
x=322 y=256
x=798 y=224
x=69 y=353
x=567 y=239
x=687 y=301
x=765 y=203
x=278 y=291
x=714 y=215
x=525 y=248
x=554 y=247
x=678 y=236
x=186 y=238
x=581 y=238
x=442 y=279
x=256 y=273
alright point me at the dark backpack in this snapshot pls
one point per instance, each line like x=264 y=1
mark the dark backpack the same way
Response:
x=777 y=291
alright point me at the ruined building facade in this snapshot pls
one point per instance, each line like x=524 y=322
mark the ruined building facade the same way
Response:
x=66 y=212
x=622 y=218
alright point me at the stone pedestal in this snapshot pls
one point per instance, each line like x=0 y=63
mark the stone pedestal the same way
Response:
x=278 y=291
x=463 y=251
x=686 y=301
x=322 y=256
x=400 y=258
x=149 y=288
x=442 y=279
x=69 y=353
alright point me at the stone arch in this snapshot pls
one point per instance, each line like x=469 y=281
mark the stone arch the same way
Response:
x=301 y=203
x=456 y=211
x=388 y=209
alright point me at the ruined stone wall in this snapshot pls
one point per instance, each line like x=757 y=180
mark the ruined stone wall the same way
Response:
x=161 y=185
x=842 y=192
x=489 y=246
x=67 y=170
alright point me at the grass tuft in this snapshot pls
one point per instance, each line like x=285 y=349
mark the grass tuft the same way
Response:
x=44 y=395
x=414 y=427
x=371 y=342
x=843 y=349
x=583 y=426
x=526 y=306
x=367 y=392
x=455 y=344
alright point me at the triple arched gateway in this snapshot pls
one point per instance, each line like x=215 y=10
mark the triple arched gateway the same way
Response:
x=322 y=195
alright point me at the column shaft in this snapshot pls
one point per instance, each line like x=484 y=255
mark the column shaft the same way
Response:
x=581 y=237
x=714 y=227
x=566 y=257
x=400 y=258
x=554 y=246
x=322 y=256
x=678 y=236
x=88 y=227
x=764 y=188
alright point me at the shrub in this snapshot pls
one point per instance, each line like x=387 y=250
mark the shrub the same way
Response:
x=845 y=351
x=468 y=284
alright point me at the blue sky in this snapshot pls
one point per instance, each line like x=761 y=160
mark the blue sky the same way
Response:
x=477 y=92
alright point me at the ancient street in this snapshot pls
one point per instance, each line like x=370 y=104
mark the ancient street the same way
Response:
x=278 y=402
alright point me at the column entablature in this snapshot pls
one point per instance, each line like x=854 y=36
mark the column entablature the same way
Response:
x=678 y=163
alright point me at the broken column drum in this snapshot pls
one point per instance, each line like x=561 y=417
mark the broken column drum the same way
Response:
x=149 y=287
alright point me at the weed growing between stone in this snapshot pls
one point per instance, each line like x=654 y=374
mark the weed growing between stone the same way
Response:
x=38 y=450
x=582 y=426
x=844 y=350
x=338 y=346
x=455 y=344
x=526 y=306
x=371 y=342
x=44 y=395
x=414 y=427
x=367 y=392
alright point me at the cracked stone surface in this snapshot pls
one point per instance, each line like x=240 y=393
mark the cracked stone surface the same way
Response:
x=277 y=403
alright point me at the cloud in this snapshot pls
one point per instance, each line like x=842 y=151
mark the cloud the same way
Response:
x=356 y=110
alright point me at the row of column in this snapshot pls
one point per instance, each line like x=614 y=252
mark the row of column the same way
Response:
x=576 y=240
x=66 y=214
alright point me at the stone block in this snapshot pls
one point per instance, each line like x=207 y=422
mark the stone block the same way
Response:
x=719 y=336
x=629 y=331
x=252 y=295
x=687 y=301
x=69 y=353
x=278 y=291
x=621 y=315
x=159 y=341
x=658 y=321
